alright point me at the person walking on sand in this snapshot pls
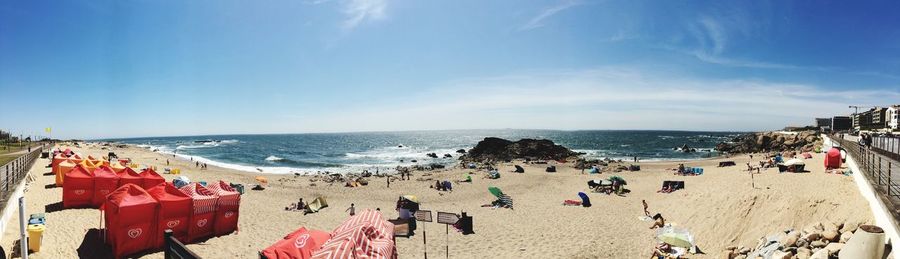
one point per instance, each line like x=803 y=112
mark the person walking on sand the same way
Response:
x=646 y=212
x=167 y=162
x=388 y=181
x=352 y=209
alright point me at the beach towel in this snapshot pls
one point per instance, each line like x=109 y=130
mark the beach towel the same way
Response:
x=571 y=203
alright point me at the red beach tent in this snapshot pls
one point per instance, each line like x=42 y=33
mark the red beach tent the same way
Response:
x=299 y=244
x=833 y=158
x=365 y=235
x=78 y=188
x=130 y=220
x=105 y=182
x=128 y=175
x=64 y=168
x=203 y=213
x=54 y=164
x=227 y=207
x=174 y=211
x=150 y=178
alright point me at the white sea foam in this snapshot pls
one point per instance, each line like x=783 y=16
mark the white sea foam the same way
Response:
x=273 y=158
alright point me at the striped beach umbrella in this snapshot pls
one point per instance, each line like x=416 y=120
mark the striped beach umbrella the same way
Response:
x=365 y=235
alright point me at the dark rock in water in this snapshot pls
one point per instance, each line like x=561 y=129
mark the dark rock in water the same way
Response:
x=448 y=156
x=804 y=141
x=686 y=149
x=431 y=155
x=437 y=166
x=498 y=149
x=400 y=146
x=414 y=161
x=461 y=151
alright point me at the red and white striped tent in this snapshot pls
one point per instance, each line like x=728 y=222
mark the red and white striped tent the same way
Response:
x=227 y=207
x=203 y=216
x=366 y=235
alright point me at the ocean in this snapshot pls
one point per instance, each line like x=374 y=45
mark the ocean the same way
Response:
x=354 y=152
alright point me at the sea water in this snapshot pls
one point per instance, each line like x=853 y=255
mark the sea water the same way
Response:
x=354 y=152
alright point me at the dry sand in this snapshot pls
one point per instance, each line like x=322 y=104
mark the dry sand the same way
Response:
x=720 y=208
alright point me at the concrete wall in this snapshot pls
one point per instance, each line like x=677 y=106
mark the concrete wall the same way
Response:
x=880 y=211
x=12 y=208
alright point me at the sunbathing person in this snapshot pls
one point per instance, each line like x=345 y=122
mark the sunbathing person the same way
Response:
x=660 y=221
x=662 y=251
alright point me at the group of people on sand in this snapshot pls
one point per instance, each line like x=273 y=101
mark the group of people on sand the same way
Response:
x=662 y=250
x=202 y=166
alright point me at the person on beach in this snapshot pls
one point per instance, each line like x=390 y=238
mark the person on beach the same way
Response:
x=646 y=212
x=301 y=205
x=167 y=162
x=660 y=221
x=388 y=181
x=352 y=209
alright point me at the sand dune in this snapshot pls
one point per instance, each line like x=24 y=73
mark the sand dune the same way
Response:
x=720 y=208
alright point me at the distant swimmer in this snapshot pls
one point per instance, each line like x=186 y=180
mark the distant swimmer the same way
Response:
x=260 y=170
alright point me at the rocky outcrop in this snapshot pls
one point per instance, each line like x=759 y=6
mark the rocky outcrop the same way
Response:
x=498 y=149
x=804 y=141
x=817 y=240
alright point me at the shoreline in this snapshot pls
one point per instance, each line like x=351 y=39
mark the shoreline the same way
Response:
x=391 y=169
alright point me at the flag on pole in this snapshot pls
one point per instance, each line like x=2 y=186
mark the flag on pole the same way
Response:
x=47 y=129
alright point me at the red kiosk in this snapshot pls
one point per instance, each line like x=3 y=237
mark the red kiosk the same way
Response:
x=128 y=175
x=105 y=182
x=130 y=220
x=174 y=211
x=150 y=178
x=78 y=188
x=203 y=213
x=227 y=207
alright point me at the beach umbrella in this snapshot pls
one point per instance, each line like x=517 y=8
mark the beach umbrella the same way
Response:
x=675 y=236
x=794 y=162
x=676 y=239
x=505 y=199
x=262 y=180
x=496 y=191
x=411 y=198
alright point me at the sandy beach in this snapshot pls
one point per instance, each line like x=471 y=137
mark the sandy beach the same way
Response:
x=720 y=208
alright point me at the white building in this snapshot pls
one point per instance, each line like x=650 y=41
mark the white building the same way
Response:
x=892 y=116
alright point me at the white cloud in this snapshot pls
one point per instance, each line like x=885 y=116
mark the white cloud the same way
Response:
x=359 y=11
x=715 y=34
x=606 y=98
x=538 y=20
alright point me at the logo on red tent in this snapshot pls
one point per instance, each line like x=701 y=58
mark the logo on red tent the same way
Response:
x=79 y=192
x=173 y=223
x=229 y=214
x=301 y=240
x=135 y=232
x=201 y=223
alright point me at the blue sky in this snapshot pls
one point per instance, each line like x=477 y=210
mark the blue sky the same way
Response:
x=93 y=69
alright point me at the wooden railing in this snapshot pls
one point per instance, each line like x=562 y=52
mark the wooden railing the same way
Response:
x=174 y=249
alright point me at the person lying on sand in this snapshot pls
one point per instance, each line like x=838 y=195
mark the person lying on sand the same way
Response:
x=667 y=188
x=660 y=221
x=663 y=251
